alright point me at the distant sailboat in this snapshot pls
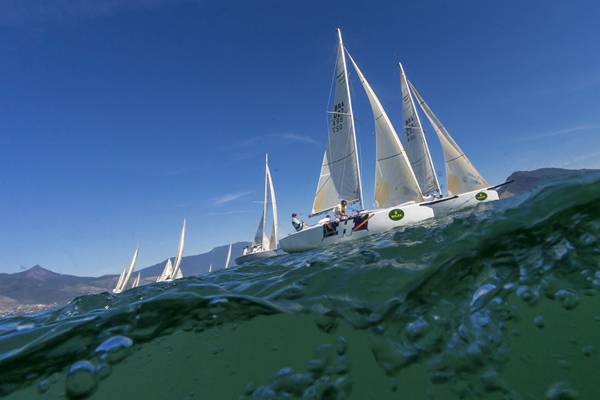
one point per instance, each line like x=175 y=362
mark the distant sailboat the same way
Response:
x=210 y=268
x=122 y=284
x=265 y=248
x=228 y=256
x=136 y=283
x=171 y=272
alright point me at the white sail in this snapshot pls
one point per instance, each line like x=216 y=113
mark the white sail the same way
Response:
x=210 y=268
x=178 y=274
x=273 y=240
x=137 y=281
x=340 y=174
x=395 y=182
x=120 y=281
x=461 y=175
x=260 y=239
x=176 y=270
x=167 y=273
x=228 y=256
x=415 y=142
x=131 y=267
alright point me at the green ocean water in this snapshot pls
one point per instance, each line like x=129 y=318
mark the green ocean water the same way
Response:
x=498 y=302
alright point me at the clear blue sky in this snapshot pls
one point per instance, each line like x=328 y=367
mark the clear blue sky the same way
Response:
x=118 y=119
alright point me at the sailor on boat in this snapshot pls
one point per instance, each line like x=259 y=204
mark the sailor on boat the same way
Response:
x=325 y=220
x=340 y=211
x=297 y=224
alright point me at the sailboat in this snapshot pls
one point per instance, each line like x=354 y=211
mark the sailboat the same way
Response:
x=397 y=194
x=465 y=185
x=171 y=271
x=228 y=256
x=265 y=248
x=136 y=283
x=124 y=279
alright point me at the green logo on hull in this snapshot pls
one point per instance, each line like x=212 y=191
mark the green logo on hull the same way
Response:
x=481 y=196
x=396 y=215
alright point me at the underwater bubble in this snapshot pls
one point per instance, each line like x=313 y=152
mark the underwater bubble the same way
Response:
x=588 y=351
x=324 y=353
x=114 y=349
x=315 y=366
x=81 y=380
x=482 y=296
x=561 y=391
x=568 y=299
x=539 y=321
x=249 y=389
x=342 y=365
x=44 y=386
x=510 y=287
x=281 y=381
x=416 y=329
x=341 y=346
x=393 y=384
x=264 y=393
x=528 y=295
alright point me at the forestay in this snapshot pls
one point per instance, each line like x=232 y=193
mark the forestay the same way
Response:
x=340 y=178
x=461 y=175
x=395 y=182
x=415 y=143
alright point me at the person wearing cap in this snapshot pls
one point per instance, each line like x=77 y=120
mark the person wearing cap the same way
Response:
x=298 y=226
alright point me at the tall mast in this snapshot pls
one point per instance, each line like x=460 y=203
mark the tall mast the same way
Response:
x=352 y=122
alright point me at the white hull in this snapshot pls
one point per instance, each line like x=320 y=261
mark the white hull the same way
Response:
x=367 y=223
x=464 y=200
x=259 y=255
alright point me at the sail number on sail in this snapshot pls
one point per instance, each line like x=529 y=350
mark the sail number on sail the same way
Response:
x=409 y=124
x=338 y=118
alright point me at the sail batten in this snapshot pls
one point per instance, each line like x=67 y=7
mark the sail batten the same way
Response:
x=340 y=173
x=395 y=181
x=461 y=175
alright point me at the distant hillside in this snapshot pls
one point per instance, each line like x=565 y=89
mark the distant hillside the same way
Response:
x=527 y=180
x=39 y=289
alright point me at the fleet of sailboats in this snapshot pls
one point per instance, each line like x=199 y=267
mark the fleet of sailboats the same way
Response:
x=407 y=189
x=262 y=247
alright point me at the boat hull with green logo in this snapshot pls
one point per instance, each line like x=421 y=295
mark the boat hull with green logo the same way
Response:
x=355 y=227
x=446 y=205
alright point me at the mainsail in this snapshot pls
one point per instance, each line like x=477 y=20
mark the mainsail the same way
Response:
x=261 y=238
x=120 y=279
x=340 y=174
x=125 y=280
x=273 y=240
x=395 y=182
x=228 y=256
x=136 y=283
x=415 y=143
x=176 y=271
x=461 y=175
x=167 y=273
